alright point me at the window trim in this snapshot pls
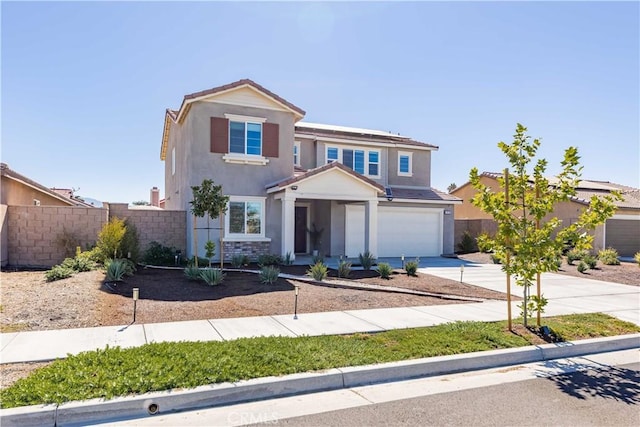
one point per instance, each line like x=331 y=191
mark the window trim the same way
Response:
x=245 y=236
x=366 y=152
x=409 y=155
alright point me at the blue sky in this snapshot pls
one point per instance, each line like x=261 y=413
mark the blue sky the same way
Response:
x=85 y=84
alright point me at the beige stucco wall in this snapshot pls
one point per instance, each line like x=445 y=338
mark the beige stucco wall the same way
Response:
x=15 y=193
x=421 y=168
x=466 y=192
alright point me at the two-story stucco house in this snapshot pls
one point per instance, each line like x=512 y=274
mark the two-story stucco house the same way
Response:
x=364 y=189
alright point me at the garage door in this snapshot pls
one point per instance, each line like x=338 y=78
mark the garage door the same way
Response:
x=409 y=231
x=623 y=235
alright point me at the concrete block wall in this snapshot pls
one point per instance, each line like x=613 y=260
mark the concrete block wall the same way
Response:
x=164 y=226
x=32 y=232
x=475 y=227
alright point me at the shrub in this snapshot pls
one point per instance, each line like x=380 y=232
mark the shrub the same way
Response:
x=411 y=267
x=238 y=260
x=467 y=244
x=318 y=271
x=201 y=261
x=130 y=244
x=158 y=254
x=288 y=259
x=385 y=270
x=116 y=270
x=192 y=273
x=344 y=269
x=110 y=238
x=575 y=255
x=495 y=259
x=582 y=267
x=637 y=258
x=558 y=262
x=212 y=276
x=269 y=259
x=210 y=248
x=58 y=272
x=79 y=264
x=269 y=274
x=590 y=260
x=609 y=256
x=366 y=260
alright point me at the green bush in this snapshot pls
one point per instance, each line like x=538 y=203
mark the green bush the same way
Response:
x=385 y=270
x=117 y=269
x=575 y=255
x=558 y=262
x=637 y=258
x=130 y=244
x=269 y=259
x=212 y=276
x=344 y=269
x=201 y=261
x=288 y=259
x=158 y=254
x=590 y=260
x=58 y=272
x=79 y=264
x=269 y=274
x=238 y=260
x=609 y=256
x=467 y=244
x=411 y=267
x=483 y=244
x=210 y=250
x=366 y=260
x=110 y=239
x=582 y=267
x=495 y=259
x=192 y=273
x=318 y=271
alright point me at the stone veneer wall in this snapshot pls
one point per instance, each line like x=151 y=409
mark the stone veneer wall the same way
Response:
x=250 y=249
x=31 y=232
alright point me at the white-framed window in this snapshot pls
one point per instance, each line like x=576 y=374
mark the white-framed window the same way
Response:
x=296 y=153
x=245 y=217
x=363 y=161
x=405 y=163
x=245 y=138
x=173 y=161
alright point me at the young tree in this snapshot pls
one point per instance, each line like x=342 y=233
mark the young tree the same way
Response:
x=528 y=241
x=451 y=187
x=209 y=201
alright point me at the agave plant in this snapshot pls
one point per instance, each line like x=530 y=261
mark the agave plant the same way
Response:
x=212 y=276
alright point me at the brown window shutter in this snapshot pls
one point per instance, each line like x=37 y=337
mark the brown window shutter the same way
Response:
x=219 y=135
x=270 y=139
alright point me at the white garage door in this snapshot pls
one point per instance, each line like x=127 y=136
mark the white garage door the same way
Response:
x=409 y=231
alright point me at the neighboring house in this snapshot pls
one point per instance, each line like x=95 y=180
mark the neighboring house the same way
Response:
x=621 y=232
x=18 y=190
x=364 y=189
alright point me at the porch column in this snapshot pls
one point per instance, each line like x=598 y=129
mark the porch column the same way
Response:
x=371 y=227
x=288 y=224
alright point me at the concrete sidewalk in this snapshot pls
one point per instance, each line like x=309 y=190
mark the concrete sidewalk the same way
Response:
x=566 y=295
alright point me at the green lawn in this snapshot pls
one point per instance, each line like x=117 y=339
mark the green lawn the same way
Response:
x=153 y=367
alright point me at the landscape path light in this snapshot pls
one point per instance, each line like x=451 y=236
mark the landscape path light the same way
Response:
x=461 y=271
x=295 y=305
x=136 y=295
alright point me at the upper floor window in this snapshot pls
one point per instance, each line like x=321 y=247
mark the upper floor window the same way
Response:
x=405 y=166
x=296 y=153
x=365 y=162
x=245 y=138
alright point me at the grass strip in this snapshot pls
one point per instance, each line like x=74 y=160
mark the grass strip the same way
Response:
x=161 y=366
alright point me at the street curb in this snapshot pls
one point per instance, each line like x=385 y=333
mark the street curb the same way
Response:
x=98 y=410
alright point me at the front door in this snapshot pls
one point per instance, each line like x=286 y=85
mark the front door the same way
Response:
x=301 y=230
